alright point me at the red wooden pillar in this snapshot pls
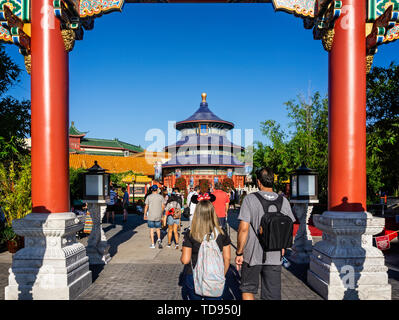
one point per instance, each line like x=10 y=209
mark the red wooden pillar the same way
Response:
x=347 y=111
x=50 y=118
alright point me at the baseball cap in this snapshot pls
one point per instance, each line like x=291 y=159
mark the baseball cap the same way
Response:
x=154 y=187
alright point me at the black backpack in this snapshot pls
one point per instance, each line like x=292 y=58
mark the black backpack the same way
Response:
x=275 y=229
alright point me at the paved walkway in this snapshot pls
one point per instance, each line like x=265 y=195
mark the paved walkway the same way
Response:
x=138 y=272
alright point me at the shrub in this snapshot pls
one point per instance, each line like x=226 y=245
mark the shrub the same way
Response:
x=15 y=189
x=76 y=183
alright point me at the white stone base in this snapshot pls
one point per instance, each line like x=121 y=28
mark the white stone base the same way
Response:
x=345 y=265
x=97 y=244
x=53 y=265
x=302 y=248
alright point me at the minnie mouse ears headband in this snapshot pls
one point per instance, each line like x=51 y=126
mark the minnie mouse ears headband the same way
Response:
x=201 y=197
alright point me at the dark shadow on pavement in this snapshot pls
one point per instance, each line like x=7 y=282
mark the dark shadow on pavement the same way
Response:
x=114 y=240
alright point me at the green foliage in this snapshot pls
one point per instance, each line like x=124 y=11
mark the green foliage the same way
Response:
x=305 y=142
x=14 y=114
x=76 y=183
x=8 y=234
x=116 y=178
x=227 y=184
x=9 y=71
x=15 y=189
x=382 y=131
x=308 y=139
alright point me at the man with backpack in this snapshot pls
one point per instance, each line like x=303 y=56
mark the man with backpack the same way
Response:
x=265 y=231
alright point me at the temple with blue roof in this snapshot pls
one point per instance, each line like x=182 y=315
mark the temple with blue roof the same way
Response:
x=204 y=151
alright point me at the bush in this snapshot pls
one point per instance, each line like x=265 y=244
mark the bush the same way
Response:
x=8 y=234
x=15 y=189
x=76 y=183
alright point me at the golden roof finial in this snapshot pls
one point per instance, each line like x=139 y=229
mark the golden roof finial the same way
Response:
x=203 y=95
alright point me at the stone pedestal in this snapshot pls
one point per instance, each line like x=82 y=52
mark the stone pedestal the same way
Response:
x=97 y=245
x=345 y=264
x=53 y=265
x=303 y=243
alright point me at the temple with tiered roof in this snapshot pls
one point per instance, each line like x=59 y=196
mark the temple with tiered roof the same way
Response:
x=204 y=151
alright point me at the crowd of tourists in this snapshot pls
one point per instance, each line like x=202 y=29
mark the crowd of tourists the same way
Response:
x=264 y=232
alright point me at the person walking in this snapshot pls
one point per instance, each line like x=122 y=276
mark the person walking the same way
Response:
x=173 y=212
x=153 y=210
x=205 y=228
x=125 y=203
x=113 y=197
x=250 y=257
x=221 y=204
x=232 y=199
x=191 y=204
x=243 y=195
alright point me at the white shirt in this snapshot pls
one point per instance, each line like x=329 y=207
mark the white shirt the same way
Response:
x=192 y=205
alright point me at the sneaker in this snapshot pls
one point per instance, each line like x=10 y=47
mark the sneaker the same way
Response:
x=152 y=246
x=160 y=245
x=169 y=245
x=176 y=246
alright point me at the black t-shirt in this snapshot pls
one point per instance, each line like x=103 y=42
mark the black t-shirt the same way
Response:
x=222 y=240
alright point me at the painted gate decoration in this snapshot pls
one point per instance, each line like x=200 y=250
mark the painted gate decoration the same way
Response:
x=382 y=25
x=89 y=8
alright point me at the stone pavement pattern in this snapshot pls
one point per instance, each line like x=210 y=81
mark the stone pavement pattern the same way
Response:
x=138 y=272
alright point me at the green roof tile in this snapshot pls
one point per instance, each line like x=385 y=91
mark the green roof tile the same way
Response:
x=75 y=132
x=99 y=153
x=93 y=142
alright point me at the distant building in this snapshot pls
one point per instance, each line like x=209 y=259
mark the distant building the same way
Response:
x=204 y=151
x=78 y=143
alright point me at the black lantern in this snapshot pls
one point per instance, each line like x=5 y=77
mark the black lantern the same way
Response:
x=304 y=184
x=96 y=183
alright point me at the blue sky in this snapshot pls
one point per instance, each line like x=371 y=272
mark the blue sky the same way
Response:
x=149 y=64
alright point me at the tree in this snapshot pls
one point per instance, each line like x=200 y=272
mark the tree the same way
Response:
x=14 y=114
x=305 y=142
x=383 y=130
x=76 y=183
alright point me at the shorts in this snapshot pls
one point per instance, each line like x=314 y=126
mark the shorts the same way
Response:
x=170 y=221
x=270 y=280
x=222 y=222
x=154 y=224
x=110 y=207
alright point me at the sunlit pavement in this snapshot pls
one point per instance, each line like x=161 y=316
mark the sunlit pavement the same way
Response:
x=138 y=272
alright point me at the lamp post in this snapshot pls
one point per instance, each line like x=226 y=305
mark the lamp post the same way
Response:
x=303 y=186
x=95 y=193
